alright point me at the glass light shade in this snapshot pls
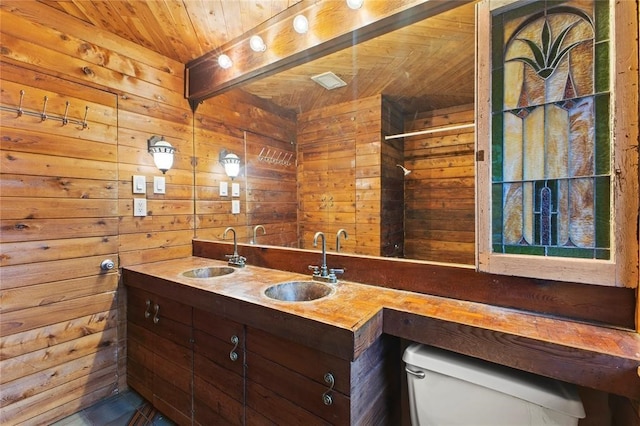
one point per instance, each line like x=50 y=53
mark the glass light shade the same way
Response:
x=162 y=155
x=300 y=24
x=257 y=44
x=355 y=4
x=225 y=61
x=231 y=163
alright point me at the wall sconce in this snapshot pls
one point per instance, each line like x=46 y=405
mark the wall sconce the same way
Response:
x=162 y=152
x=231 y=163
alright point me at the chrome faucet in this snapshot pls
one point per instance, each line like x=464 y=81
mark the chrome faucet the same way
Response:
x=255 y=233
x=323 y=273
x=234 y=259
x=346 y=237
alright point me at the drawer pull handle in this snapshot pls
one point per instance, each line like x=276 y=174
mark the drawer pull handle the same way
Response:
x=418 y=374
x=156 y=318
x=326 y=397
x=147 y=314
x=233 y=355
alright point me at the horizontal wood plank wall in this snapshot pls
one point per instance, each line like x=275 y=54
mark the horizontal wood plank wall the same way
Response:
x=59 y=217
x=439 y=193
x=339 y=177
x=63 y=336
x=255 y=131
x=392 y=192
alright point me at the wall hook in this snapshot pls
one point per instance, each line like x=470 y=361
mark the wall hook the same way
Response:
x=43 y=116
x=65 y=120
x=20 y=105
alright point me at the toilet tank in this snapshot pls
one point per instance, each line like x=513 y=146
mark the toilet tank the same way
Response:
x=446 y=388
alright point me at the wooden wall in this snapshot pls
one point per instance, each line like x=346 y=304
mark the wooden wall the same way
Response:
x=67 y=204
x=340 y=176
x=263 y=137
x=440 y=192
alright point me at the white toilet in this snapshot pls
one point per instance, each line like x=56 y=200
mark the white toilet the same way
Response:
x=446 y=388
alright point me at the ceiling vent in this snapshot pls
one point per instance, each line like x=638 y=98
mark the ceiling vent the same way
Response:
x=328 y=80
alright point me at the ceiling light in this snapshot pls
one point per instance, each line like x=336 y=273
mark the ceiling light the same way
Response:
x=355 y=4
x=328 y=80
x=162 y=152
x=224 y=61
x=257 y=44
x=300 y=24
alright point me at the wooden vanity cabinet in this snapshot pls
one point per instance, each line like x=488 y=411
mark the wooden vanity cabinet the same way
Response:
x=288 y=383
x=218 y=370
x=159 y=352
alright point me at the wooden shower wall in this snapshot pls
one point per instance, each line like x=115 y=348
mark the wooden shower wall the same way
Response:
x=343 y=165
x=67 y=204
x=440 y=191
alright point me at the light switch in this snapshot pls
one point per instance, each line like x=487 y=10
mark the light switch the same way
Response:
x=224 y=189
x=235 y=206
x=235 y=189
x=158 y=185
x=139 y=184
x=139 y=206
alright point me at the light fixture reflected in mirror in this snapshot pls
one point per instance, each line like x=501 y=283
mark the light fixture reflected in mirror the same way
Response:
x=231 y=163
x=300 y=24
x=257 y=44
x=355 y=4
x=162 y=152
x=225 y=61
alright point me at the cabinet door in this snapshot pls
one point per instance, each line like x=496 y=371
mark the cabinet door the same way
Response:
x=218 y=368
x=288 y=383
x=159 y=355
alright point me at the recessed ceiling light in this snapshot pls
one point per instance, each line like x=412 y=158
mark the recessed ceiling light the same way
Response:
x=328 y=80
x=224 y=61
x=300 y=24
x=257 y=44
x=355 y=4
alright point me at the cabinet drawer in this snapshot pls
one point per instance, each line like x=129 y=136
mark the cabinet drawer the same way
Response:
x=301 y=359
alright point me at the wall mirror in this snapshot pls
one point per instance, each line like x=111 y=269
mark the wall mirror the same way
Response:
x=334 y=159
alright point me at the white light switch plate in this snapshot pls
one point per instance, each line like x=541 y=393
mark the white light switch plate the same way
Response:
x=235 y=206
x=224 y=189
x=139 y=206
x=139 y=184
x=235 y=189
x=159 y=185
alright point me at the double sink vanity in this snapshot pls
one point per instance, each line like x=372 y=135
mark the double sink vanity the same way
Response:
x=216 y=344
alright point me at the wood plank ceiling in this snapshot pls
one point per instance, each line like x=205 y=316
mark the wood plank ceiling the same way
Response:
x=426 y=66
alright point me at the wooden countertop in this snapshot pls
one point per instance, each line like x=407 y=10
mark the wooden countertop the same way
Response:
x=348 y=321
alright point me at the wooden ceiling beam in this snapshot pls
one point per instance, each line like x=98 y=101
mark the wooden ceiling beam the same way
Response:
x=332 y=27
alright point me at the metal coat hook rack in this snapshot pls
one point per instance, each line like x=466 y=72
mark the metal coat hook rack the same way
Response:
x=44 y=116
x=279 y=158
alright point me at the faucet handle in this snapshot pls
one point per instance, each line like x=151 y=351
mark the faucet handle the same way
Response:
x=315 y=269
x=236 y=260
x=336 y=271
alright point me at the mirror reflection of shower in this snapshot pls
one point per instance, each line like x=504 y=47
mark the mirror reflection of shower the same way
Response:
x=404 y=169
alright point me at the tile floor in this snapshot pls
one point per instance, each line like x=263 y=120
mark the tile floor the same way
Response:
x=114 y=411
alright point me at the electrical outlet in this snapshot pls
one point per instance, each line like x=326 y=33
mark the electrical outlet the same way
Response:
x=139 y=206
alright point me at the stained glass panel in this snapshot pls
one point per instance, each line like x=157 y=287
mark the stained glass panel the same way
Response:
x=551 y=169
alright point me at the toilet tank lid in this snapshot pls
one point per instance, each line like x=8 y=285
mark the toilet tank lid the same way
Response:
x=549 y=393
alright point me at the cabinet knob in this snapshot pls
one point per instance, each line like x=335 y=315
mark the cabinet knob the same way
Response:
x=233 y=355
x=331 y=381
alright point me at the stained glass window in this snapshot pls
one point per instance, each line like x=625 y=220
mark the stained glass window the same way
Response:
x=551 y=171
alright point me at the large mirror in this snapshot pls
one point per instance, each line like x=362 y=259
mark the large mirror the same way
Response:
x=382 y=158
